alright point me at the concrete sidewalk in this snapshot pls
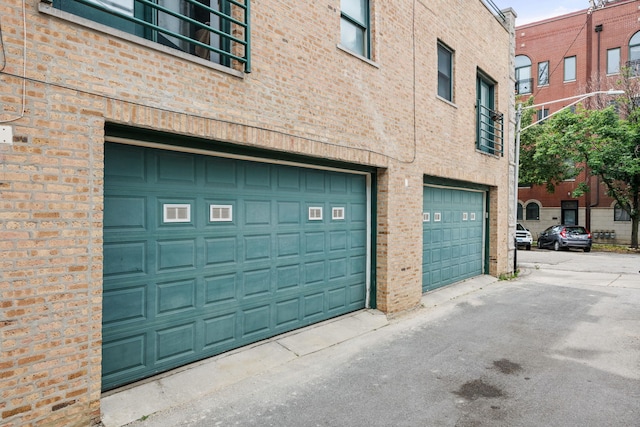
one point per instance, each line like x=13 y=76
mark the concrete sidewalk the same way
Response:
x=214 y=374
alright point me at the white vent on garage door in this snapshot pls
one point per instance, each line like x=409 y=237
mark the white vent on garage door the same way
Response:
x=315 y=213
x=220 y=213
x=337 y=213
x=173 y=212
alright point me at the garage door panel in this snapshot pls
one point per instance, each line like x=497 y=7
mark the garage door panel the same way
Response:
x=219 y=330
x=126 y=213
x=251 y=267
x=221 y=289
x=121 y=306
x=174 y=168
x=126 y=356
x=176 y=255
x=177 y=341
x=256 y=320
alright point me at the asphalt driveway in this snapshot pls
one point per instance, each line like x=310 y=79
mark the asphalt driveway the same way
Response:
x=558 y=346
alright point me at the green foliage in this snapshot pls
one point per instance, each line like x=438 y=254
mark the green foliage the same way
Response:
x=598 y=140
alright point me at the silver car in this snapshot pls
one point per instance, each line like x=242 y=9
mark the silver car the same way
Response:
x=564 y=237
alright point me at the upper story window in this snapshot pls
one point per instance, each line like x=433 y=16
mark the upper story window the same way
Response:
x=570 y=69
x=216 y=30
x=489 y=122
x=354 y=26
x=519 y=216
x=524 y=82
x=543 y=73
x=613 y=61
x=445 y=72
x=634 y=54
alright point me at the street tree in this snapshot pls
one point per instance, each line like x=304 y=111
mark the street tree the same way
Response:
x=597 y=141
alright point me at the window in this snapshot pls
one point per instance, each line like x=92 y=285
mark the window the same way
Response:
x=216 y=30
x=489 y=123
x=445 y=72
x=570 y=69
x=533 y=212
x=542 y=113
x=523 y=75
x=634 y=54
x=613 y=61
x=519 y=217
x=620 y=214
x=354 y=26
x=543 y=73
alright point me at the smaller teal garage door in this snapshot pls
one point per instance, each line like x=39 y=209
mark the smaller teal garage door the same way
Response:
x=453 y=235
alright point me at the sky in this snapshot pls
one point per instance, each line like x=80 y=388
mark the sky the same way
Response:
x=536 y=10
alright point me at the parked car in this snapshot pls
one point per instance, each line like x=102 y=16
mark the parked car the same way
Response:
x=523 y=237
x=564 y=237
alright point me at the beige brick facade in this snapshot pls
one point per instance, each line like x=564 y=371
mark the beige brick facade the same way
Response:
x=70 y=77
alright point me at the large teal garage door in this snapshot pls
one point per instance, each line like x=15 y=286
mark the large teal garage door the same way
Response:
x=453 y=235
x=204 y=254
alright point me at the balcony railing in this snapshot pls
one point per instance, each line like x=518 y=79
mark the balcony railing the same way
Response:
x=490 y=132
x=216 y=30
x=634 y=67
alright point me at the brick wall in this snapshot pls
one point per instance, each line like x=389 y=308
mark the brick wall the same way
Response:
x=304 y=95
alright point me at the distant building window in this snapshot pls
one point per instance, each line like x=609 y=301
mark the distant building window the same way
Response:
x=533 y=212
x=634 y=54
x=354 y=26
x=519 y=211
x=620 y=214
x=570 y=69
x=543 y=73
x=613 y=61
x=543 y=113
x=523 y=75
x=445 y=72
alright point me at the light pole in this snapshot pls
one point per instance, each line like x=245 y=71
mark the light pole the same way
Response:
x=519 y=129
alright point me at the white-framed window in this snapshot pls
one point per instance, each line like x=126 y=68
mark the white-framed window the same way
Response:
x=437 y=217
x=570 y=69
x=315 y=213
x=524 y=81
x=337 y=213
x=220 y=213
x=473 y=216
x=613 y=60
x=176 y=212
x=426 y=216
x=465 y=216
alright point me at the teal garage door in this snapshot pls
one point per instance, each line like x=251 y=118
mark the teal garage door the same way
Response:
x=453 y=235
x=205 y=254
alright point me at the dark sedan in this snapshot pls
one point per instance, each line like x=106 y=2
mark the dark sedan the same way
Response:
x=564 y=237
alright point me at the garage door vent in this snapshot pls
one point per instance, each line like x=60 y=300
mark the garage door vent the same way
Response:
x=426 y=216
x=176 y=212
x=220 y=213
x=315 y=213
x=337 y=213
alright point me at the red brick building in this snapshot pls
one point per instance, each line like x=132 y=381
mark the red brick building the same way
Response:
x=565 y=56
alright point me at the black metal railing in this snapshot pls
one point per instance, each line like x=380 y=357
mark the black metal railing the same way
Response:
x=216 y=30
x=634 y=67
x=490 y=130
